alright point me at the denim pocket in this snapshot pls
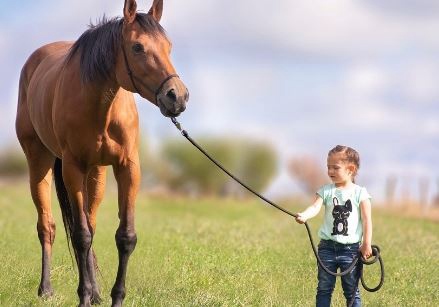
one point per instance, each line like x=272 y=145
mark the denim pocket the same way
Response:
x=350 y=250
x=324 y=244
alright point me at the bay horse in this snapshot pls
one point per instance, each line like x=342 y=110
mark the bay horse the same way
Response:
x=76 y=115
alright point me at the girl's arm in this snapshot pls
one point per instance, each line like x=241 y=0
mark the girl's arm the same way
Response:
x=311 y=211
x=366 y=216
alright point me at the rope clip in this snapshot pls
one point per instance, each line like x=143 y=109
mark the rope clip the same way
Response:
x=176 y=123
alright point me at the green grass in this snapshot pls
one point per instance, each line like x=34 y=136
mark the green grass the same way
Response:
x=210 y=253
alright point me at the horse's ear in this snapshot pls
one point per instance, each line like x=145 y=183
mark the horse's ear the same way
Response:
x=129 y=11
x=156 y=10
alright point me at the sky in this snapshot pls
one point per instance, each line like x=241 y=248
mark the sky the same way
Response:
x=303 y=76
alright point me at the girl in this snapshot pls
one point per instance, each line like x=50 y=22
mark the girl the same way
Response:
x=347 y=222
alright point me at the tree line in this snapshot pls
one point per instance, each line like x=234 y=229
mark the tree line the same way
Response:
x=181 y=168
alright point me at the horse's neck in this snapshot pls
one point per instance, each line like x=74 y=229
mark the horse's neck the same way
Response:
x=108 y=95
x=98 y=100
x=102 y=94
x=110 y=102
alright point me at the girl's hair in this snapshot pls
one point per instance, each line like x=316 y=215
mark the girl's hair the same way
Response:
x=350 y=156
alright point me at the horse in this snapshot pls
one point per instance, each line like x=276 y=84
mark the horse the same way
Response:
x=76 y=115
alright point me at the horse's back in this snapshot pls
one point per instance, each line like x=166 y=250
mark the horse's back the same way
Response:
x=38 y=57
x=36 y=90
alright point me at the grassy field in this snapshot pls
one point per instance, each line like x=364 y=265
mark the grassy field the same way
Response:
x=211 y=253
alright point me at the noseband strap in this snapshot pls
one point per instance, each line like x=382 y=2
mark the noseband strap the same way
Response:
x=132 y=77
x=157 y=92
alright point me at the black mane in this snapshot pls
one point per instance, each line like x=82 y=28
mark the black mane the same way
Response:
x=99 y=45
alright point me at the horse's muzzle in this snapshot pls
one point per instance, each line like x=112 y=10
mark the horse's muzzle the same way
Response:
x=172 y=101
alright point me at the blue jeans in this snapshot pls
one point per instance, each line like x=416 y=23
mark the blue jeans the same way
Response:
x=336 y=255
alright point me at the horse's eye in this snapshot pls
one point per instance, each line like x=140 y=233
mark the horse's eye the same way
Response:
x=138 y=48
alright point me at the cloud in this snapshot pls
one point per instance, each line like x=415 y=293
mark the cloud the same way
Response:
x=406 y=8
x=303 y=75
x=327 y=29
x=366 y=80
x=420 y=82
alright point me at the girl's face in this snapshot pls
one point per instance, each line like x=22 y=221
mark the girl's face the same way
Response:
x=339 y=171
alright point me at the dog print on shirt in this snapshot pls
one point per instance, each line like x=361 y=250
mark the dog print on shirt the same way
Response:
x=341 y=214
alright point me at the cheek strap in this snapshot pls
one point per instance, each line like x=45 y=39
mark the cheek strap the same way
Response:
x=132 y=77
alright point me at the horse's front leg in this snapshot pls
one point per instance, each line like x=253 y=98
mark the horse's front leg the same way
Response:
x=95 y=192
x=128 y=177
x=75 y=178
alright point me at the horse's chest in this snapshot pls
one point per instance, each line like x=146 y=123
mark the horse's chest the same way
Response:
x=100 y=136
x=108 y=150
x=102 y=149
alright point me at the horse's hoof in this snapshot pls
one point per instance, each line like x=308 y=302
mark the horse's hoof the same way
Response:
x=45 y=291
x=96 y=299
x=116 y=302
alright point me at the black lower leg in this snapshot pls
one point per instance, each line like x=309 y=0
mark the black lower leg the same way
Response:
x=92 y=267
x=46 y=236
x=81 y=240
x=126 y=242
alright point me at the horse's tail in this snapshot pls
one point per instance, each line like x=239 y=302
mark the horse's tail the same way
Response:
x=64 y=203
x=66 y=209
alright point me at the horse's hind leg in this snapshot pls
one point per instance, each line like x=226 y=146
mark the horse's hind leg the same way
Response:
x=95 y=192
x=40 y=162
x=74 y=176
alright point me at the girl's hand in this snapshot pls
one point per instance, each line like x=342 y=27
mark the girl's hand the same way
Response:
x=366 y=250
x=301 y=219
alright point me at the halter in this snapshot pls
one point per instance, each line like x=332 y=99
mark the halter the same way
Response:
x=132 y=77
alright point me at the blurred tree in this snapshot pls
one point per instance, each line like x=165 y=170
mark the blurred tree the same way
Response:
x=258 y=166
x=148 y=162
x=424 y=187
x=308 y=173
x=436 y=196
x=156 y=171
x=12 y=162
x=189 y=171
x=390 y=189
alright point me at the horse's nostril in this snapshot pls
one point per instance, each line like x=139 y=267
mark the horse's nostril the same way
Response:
x=171 y=94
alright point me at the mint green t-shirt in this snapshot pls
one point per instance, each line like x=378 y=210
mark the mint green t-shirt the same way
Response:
x=342 y=221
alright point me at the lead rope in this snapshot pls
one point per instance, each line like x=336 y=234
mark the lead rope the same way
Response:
x=375 y=248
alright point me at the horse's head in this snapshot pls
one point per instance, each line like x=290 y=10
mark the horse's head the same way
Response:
x=144 y=64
